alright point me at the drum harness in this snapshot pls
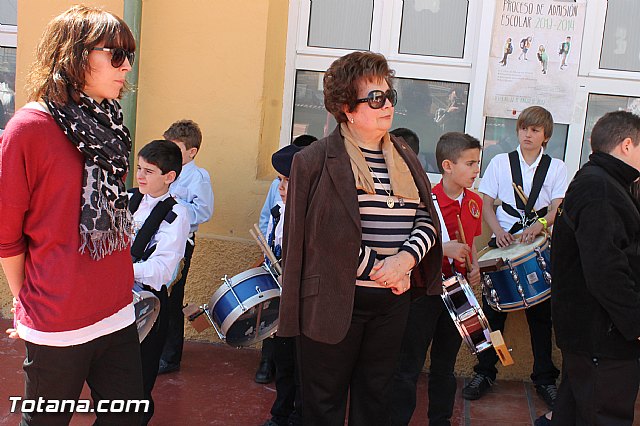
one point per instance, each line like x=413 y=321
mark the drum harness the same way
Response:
x=162 y=211
x=530 y=216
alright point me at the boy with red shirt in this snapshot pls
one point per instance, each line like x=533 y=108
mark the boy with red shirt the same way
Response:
x=458 y=157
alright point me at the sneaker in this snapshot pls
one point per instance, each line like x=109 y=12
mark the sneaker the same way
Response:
x=548 y=393
x=165 y=368
x=266 y=372
x=542 y=421
x=478 y=386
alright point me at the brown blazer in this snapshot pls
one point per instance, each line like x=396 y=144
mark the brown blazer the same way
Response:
x=322 y=240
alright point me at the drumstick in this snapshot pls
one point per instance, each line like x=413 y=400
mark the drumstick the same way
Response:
x=257 y=235
x=264 y=246
x=520 y=193
x=467 y=260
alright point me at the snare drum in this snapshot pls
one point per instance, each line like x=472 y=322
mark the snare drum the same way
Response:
x=466 y=313
x=244 y=310
x=523 y=278
x=147 y=307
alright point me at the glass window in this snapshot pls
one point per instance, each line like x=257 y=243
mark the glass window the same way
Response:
x=599 y=105
x=434 y=27
x=309 y=114
x=500 y=136
x=621 y=41
x=429 y=108
x=9 y=12
x=341 y=24
x=7 y=84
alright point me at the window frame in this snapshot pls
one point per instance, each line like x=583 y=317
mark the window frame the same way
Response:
x=471 y=69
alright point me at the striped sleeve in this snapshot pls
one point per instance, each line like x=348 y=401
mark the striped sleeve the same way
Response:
x=366 y=260
x=422 y=237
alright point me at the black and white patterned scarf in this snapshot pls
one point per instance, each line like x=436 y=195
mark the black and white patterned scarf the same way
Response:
x=98 y=131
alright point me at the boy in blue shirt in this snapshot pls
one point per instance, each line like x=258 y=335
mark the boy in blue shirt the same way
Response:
x=192 y=189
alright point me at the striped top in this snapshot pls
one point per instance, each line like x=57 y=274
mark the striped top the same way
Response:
x=386 y=231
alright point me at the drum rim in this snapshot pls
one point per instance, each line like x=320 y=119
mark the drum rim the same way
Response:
x=475 y=306
x=518 y=306
x=139 y=296
x=242 y=277
x=249 y=303
x=523 y=257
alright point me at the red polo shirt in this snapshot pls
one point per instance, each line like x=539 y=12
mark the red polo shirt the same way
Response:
x=470 y=215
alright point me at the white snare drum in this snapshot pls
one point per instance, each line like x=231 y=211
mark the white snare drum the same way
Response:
x=147 y=307
x=466 y=313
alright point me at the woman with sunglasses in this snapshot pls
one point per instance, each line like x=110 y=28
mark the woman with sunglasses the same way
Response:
x=64 y=224
x=359 y=234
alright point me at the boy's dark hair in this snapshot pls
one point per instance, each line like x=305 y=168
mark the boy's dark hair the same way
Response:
x=409 y=137
x=536 y=116
x=612 y=128
x=163 y=154
x=304 y=140
x=185 y=131
x=451 y=145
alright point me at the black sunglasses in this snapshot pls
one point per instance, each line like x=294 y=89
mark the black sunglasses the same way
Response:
x=118 y=55
x=377 y=98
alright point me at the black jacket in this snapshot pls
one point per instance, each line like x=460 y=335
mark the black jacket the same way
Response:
x=595 y=260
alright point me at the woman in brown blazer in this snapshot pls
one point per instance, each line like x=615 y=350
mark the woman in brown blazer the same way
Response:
x=360 y=231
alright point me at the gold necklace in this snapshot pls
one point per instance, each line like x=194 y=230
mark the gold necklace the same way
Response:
x=390 y=201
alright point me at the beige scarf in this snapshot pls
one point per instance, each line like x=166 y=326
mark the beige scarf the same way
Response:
x=402 y=183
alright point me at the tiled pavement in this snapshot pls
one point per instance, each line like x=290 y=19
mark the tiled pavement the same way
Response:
x=215 y=387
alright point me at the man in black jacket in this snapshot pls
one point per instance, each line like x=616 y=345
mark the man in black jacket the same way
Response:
x=596 y=280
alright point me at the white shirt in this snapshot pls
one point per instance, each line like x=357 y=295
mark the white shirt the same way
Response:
x=170 y=240
x=496 y=183
x=193 y=190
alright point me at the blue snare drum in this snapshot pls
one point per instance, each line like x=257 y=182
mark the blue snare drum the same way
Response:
x=244 y=310
x=522 y=277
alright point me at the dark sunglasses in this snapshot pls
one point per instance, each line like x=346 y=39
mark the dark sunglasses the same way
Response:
x=118 y=55
x=377 y=98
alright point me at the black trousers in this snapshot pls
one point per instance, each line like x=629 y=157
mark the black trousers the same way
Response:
x=109 y=364
x=596 y=391
x=359 y=367
x=429 y=323
x=151 y=350
x=539 y=320
x=172 y=351
x=286 y=409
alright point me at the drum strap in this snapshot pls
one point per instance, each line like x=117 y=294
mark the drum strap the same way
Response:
x=536 y=187
x=443 y=227
x=162 y=211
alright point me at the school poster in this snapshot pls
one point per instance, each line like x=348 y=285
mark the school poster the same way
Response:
x=534 y=57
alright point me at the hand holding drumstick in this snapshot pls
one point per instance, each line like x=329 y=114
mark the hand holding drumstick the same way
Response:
x=473 y=271
x=528 y=234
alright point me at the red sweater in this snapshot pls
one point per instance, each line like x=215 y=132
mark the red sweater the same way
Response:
x=470 y=215
x=40 y=186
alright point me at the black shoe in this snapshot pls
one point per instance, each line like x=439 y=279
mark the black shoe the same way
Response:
x=478 y=386
x=548 y=393
x=165 y=368
x=542 y=421
x=265 y=372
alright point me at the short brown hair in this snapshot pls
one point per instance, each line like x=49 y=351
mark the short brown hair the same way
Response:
x=185 y=131
x=613 y=128
x=451 y=145
x=62 y=56
x=536 y=116
x=345 y=74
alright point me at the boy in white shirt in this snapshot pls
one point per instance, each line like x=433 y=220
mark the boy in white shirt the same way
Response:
x=161 y=230
x=525 y=166
x=192 y=189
